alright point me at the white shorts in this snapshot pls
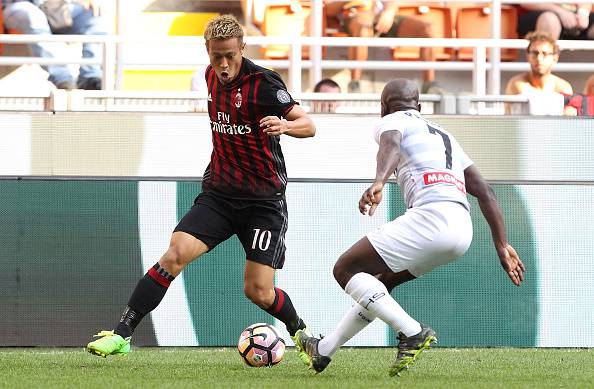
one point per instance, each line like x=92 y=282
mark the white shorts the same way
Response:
x=424 y=237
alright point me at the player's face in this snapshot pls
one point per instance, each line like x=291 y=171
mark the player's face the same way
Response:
x=225 y=57
x=542 y=58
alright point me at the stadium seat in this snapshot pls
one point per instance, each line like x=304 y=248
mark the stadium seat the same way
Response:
x=475 y=22
x=441 y=20
x=285 y=20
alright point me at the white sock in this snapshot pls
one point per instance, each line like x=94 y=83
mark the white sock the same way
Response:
x=351 y=324
x=372 y=294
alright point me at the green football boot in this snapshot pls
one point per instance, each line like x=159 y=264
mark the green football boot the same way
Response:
x=300 y=349
x=410 y=348
x=109 y=344
x=318 y=362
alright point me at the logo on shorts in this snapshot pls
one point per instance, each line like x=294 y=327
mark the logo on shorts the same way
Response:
x=443 y=178
x=283 y=96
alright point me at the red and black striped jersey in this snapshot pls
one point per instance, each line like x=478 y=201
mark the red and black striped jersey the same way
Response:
x=245 y=162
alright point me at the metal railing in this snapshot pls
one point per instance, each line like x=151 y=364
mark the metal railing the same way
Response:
x=113 y=66
x=486 y=67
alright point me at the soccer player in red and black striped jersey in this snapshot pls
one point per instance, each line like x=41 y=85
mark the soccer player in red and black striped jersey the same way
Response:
x=243 y=188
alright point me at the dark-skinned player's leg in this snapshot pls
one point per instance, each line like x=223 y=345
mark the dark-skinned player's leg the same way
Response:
x=362 y=263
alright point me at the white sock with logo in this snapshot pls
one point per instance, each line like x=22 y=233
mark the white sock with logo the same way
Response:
x=351 y=324
x=372 y=294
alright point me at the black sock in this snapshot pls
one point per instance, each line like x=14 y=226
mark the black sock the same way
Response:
x=147 y=295
x=282 y=308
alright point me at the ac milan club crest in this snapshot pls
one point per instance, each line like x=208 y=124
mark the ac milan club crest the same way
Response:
x=237 y=99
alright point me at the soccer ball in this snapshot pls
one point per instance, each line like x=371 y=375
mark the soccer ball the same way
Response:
x=261 y=345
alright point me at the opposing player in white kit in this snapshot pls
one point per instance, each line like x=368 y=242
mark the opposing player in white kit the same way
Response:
x=435 y=174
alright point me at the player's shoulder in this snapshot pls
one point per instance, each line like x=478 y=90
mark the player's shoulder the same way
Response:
x=402 y=119
x=397 y=121
x=260 y=71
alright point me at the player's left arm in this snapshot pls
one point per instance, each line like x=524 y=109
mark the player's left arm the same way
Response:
x=477 y=186
x=297 y=124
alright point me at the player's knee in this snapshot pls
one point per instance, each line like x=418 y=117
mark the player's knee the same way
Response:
x=341 y=273
x=258 y=295
x=173 y=260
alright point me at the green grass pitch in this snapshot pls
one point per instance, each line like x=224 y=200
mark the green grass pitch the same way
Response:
x=200 y=367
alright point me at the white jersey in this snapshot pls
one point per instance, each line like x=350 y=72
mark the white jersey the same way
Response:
x=431 y=164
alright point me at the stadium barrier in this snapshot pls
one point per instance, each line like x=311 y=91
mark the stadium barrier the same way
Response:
x=80 y=192
x=134 y=101
x=366 y=103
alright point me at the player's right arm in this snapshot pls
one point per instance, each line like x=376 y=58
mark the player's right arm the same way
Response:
x=477 y=186
x=387 y=161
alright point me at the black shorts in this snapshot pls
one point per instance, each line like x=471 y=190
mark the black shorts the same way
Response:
x=260 y=225
x=527 y=23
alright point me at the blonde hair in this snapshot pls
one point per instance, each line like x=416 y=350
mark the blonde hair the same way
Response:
x=540 y=36
x=223 y=27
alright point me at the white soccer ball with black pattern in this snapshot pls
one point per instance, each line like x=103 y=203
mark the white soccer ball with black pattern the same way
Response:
x=261 y=345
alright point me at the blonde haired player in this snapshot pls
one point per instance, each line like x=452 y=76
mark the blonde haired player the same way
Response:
x=435 y=174
x=243 y=188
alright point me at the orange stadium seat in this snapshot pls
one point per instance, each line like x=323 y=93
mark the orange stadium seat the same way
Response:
x=441 y=20
x=285 y=20
x=475 y=22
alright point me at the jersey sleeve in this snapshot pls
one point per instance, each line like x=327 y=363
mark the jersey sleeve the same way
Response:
x=387 y=123
x=274 y=96
x=465 y=160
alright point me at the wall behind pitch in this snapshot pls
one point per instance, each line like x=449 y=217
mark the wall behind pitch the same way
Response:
x=179 y=145
x=54 y=233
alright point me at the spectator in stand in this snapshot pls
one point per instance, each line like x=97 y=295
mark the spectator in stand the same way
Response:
x=581 y=104
x=562 y=21
x=540 y=84
x=76 y=17
x=589 y=88
x=369 y=18
x=326 y=85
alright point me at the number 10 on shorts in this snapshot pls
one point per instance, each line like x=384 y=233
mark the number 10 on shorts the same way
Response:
x=261 y=239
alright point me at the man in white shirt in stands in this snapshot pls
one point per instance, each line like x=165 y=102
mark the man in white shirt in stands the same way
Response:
x=540 y=84
x=435 y=174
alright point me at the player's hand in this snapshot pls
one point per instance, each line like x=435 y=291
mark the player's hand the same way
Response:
x=273 y=125
x=512 y=264
x=371 y=198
